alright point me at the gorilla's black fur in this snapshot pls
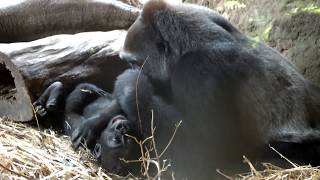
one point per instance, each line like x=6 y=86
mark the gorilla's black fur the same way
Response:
x=90 y=107
x=235 y=95
x=102 y=121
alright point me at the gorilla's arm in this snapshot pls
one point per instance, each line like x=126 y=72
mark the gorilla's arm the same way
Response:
x=50 y=99
x=125 y=93
x=77 y=114
x=92 y=127
x=134 y=93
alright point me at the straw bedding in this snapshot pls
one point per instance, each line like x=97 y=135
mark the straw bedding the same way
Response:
x=27 y=152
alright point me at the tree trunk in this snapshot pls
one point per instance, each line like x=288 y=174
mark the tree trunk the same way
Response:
x=27 y=20
x=26 y=69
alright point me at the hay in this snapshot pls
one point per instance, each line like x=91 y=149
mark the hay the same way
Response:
x=272 y=172
x=29 y=153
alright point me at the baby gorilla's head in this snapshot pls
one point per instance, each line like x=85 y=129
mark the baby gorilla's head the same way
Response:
x=116 y=145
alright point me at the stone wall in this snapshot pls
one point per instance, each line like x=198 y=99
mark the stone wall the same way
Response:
x=290 y=26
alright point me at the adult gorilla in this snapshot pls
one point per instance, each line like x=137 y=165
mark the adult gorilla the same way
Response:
x=235 y=95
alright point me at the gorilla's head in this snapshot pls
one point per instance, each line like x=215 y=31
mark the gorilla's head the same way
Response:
x=115 y=146
x=164 y=32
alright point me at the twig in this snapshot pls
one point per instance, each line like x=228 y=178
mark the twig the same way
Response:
x=224 y=175
x=171 y=139
x=282 y=156
x=252 y=168
x=41 y=134
x=137 y=101
x=35 y=116
x=154 y=146
x=18 y=174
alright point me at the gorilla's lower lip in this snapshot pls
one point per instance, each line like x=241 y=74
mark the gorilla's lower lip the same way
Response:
x=117 y=118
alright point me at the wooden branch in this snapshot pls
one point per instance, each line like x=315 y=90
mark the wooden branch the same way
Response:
x=27 y=20
x=26 y=69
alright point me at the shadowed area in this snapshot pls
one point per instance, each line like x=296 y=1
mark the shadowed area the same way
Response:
x=7 y=87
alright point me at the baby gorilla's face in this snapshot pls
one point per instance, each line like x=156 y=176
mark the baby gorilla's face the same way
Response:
x=115 y=146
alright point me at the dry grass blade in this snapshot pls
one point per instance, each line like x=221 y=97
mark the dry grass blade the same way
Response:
x=27 y=153
x=23 y=155
x=272 y=172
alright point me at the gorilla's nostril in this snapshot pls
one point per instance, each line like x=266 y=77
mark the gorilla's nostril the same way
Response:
x=120 y=126
x=129 y=58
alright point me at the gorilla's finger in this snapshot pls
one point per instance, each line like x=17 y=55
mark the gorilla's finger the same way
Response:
x=90 y=140
x=75 y=134
x=76 y=144
x=41 y=111
x=97 y=151
x=77 y=139
x=37 y=107
x=35 y=104
x=102 y=93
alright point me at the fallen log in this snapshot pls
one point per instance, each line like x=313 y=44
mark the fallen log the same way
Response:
x=27 y=20
x=26 y=69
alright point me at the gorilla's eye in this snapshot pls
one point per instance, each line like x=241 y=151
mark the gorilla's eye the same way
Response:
x=162 y=47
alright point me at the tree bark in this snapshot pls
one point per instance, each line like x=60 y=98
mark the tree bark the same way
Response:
x=27 y=20
x=26 y=69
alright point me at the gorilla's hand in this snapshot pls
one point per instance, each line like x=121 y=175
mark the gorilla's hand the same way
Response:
x=50 y=99
x=40 y=108
x=86 y=134
x=90 y=129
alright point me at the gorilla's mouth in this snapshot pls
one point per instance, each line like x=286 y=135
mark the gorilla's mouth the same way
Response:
x=133 y=64
x=130 y=59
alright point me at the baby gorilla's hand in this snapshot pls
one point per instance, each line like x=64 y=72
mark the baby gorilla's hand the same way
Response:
x=39 y=108
x=85 y=134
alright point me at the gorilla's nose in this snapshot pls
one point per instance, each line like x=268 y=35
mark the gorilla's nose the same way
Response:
x=126 y=56
x=121 y=127
x=129 y=58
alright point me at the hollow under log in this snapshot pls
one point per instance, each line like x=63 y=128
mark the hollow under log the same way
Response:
x=26 y=69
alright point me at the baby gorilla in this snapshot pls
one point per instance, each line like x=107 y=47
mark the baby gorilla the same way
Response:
x=106 y=124
x=137 y=99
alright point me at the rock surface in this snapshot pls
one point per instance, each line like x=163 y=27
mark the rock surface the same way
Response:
x=290 y=26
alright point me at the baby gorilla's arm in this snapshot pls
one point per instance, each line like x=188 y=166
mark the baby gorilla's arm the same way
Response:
x=90 y=130
x=49 y=100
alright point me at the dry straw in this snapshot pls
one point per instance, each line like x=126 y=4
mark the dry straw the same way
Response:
x=29 y=153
